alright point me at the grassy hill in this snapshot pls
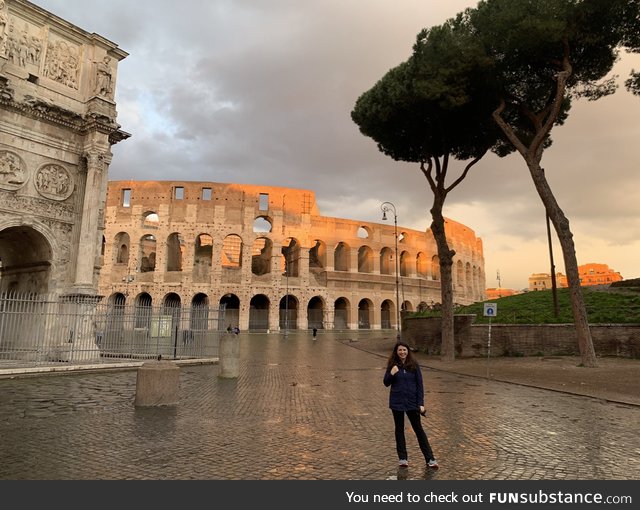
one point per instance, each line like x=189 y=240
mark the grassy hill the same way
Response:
x=605 y=305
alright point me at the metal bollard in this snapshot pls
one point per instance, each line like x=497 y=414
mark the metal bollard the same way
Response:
x=157 y=384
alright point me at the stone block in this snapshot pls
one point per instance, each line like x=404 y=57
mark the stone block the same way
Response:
x=157 y=384
x=229 y=356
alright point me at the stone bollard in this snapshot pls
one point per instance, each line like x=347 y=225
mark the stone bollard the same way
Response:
x=157 y=384
x=229 y=356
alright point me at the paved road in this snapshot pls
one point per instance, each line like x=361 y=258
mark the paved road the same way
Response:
x=305 y=409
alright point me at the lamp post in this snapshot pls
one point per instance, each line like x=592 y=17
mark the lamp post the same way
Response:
x=388 y=206
x=286 y=298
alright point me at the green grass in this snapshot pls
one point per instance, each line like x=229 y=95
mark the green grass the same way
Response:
x=604 y=306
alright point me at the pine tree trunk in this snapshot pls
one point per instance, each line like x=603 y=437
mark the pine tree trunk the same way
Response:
x=561 y=225
x=447 y=349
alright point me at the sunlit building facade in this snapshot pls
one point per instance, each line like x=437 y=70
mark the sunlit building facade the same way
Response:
x=269 y=257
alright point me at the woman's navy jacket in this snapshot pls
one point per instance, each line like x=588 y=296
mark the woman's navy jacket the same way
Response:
x=407 y=390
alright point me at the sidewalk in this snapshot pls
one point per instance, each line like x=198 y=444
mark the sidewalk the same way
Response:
x=614 y=379
x=310 y=409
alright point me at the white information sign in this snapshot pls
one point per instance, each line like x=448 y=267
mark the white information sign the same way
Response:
x=490 y=309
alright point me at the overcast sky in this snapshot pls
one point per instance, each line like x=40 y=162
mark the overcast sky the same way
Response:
x=261 y=91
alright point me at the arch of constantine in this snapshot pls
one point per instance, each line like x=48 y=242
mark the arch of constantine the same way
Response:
x=270 y=259
x=57 y=126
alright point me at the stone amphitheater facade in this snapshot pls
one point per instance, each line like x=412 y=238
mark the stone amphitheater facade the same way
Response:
x=270 y=259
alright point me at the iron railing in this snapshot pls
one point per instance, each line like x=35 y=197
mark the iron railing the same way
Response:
x=40 y=330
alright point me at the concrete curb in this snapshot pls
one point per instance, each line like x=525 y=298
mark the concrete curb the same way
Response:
x=10 y=373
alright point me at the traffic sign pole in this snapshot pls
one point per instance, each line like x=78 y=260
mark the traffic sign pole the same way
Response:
x=489 y=347
x=490 y=310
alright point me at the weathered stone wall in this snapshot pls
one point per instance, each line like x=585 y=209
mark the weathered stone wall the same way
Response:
x=57 y=124
x=522 y=339
x=248 y=247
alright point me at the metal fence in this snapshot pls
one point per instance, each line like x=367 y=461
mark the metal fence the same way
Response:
x=38 y=330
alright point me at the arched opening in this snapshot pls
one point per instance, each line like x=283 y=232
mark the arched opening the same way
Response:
x=364 y=232
x=318 y=257
x=422 y=265
x=364 y=314
x=150 y=219
x=147 y=254
x=288 y=313
x=175 y=248
x=202 y=257
x=341 y=313
x=435 y=267
x=112 y=338
x=476 y=283
x=230 y=305
x=143 y=311
x=262 y=224
x=315 y=313
x=387 y=314
x=232 y=251
x=259 y=312
x=460 y=274
x=199 y=316
x=25 y=261
x=386 y=261
x=405 y=264
x=365 y=260
x=291 y=257
x=261 y=256
x=341 y=257
x=122 y=242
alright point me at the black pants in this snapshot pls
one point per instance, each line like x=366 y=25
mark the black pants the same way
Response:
x=421 y=435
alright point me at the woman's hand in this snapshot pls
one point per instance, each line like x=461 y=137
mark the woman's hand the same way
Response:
x=394 y=370
x=423 y=410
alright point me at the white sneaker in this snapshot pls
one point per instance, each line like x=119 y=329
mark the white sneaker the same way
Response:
x=403 y=463
x=433 y=463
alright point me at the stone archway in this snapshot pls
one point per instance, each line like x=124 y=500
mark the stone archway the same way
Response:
x=259 y=312
x=25 y=261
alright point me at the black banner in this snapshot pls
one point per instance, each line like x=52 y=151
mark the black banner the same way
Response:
x=291 y=494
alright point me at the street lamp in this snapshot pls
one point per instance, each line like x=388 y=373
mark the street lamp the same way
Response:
x=388 y=206
x=286 y=297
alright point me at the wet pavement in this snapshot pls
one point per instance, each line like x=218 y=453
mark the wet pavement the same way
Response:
x=306 y=409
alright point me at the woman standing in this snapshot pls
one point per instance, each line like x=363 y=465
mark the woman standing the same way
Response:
x=404 y=376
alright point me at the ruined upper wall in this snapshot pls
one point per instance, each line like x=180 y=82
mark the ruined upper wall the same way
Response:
x=291 y=202
x=295 y=212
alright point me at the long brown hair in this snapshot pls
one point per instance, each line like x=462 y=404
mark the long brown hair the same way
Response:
x=409 y=364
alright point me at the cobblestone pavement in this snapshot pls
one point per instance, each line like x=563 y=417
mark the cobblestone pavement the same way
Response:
x=306 y=409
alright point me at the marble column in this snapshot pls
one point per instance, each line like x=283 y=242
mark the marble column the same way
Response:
x=89 y=242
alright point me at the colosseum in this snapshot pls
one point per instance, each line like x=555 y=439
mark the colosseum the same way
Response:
x=270 y=259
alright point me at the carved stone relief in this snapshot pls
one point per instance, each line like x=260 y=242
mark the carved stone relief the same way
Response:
x=104 y=78
x=54 y=182
x=13 y=171
x=37 y=207
x=21 y=46
x=62 y=231
x=4 y=21
x=62 y=63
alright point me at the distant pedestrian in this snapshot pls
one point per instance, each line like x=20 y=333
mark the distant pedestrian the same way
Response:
x=404 y=376
x=315 y=333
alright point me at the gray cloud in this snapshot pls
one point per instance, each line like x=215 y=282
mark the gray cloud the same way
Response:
x=261 y=92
